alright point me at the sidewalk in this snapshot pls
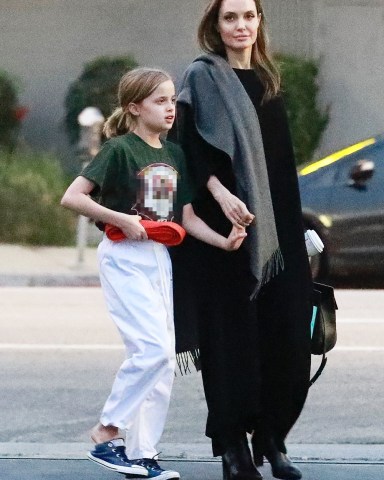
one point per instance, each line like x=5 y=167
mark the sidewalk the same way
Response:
x=372 y=454
x=194 y=462
x=22 y=266
x=34 y=469
x=73 y=469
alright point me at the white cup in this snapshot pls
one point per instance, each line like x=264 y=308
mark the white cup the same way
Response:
x=313 y=243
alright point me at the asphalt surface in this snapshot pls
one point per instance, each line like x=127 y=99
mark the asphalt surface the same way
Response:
x=14 y=469
x=47 y=266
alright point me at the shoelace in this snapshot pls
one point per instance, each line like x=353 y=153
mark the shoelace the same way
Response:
x=120 y=453
x=150 y=463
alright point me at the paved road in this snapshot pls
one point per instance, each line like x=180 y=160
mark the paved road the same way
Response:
x=69 y=470
x=59 y=352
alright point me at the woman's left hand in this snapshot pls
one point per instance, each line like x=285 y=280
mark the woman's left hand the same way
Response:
x=233 y=208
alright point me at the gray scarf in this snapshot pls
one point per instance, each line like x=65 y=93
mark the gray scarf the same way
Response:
x=226 y=118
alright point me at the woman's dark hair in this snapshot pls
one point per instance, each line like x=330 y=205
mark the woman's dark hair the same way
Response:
x=210 y=41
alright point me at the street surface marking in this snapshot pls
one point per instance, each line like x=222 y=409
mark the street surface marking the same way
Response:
x=359 y=320
x=36 y=346
x=65 y=347
x=359 y=349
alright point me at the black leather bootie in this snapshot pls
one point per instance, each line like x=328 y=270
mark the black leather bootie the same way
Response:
x=237 y=462
x=282 y=466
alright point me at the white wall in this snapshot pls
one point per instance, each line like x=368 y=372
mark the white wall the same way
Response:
x=349 y=40
x=47 y=42
x=291 y=25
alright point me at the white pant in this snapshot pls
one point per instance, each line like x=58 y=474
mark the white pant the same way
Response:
x=136 y=279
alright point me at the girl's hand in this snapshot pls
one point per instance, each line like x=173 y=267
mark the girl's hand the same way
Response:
x=235 y=238
x=77 y=198
x=233 y=208
x=131 y=227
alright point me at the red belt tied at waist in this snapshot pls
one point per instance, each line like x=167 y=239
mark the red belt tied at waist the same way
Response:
x=167 y=233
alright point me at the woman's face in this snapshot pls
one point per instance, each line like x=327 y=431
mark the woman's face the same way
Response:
x=238 y=23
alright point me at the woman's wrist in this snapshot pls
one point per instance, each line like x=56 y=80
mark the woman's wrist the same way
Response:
x=215 y=187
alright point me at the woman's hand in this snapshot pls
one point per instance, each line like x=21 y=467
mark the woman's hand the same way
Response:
x=233 y=208
x=131 y=227
x=235 y=238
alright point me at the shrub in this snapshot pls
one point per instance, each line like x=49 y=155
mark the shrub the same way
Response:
x=10 y=113
x=31 y=188
x=96 y=87
x=300 y=91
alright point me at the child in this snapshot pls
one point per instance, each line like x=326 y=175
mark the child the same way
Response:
x=136 y=174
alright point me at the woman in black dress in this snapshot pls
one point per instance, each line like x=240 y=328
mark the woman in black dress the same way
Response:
x=251 y=308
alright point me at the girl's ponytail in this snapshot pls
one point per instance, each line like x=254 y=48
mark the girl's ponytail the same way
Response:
x=117 y=123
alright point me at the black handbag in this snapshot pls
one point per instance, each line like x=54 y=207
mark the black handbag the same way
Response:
x=323 y=324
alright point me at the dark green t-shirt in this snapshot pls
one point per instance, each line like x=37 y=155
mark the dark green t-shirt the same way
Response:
x=132 y=177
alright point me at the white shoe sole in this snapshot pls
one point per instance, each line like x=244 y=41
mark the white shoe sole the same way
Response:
x=135 y=470
x=167 y=475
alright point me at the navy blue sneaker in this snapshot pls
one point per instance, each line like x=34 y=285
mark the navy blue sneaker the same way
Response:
x=154 y=470
x=112 y=455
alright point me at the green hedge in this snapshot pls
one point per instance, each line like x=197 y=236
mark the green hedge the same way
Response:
x=300 y=89
x=31 y=188
x=96 y=87
x=10 y=113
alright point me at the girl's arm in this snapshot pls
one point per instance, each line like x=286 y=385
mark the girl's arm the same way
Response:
x=77 y=198
x=196 y=227
x=233 y=208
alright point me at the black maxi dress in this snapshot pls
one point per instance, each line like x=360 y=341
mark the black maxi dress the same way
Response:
x=255 y=356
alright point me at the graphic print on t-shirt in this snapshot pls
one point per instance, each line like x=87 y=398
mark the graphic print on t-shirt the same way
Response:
x=156 y=192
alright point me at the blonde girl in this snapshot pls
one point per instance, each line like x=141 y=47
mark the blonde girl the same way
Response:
x=138 y=175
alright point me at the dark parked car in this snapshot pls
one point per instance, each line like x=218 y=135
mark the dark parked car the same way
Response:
x=343 y=201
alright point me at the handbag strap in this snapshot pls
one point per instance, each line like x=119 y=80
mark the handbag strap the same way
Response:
x=319 y=370
x=324 y=359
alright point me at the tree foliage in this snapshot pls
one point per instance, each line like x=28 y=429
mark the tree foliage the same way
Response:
x=10 y=113
x=32 y=185
x=300 y=90
x=96 y=87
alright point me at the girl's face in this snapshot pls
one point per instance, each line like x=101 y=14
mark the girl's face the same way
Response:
x=156 y=113
x=238 y=23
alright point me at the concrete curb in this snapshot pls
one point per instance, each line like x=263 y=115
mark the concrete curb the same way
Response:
x=47 y=266
x=301 y=453
x=33 y=280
